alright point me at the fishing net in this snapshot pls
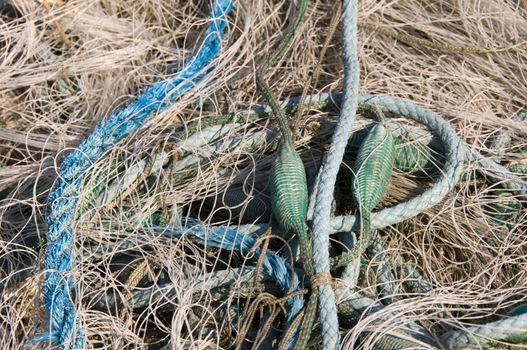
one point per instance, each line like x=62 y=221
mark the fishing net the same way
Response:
x=66 y=64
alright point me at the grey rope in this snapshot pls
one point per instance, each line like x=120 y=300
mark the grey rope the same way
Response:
x=456 y=154
x=486 y=336
x=328 y=174
x=350 y=275
x=167 y=291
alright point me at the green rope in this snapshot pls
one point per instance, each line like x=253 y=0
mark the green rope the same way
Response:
x=288 y=177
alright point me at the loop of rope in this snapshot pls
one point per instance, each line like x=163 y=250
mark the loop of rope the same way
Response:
x=328 y=174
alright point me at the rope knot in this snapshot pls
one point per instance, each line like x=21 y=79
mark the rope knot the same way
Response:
x=323 y=278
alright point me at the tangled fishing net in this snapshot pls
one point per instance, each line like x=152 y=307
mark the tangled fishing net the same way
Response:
x=174 y=244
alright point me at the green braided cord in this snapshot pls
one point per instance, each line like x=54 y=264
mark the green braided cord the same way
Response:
x=286 y=42
x=219 y=285
x=127 y=222
x=206 y=136
x=288 y=177
x=190 y=165
x=308 y=323
x=262 y=85
x=372 y=172
x=238 y=283
x=289 y=106
x=287 y=135
x=289 y=197
x=130 y=179
x=344 y=259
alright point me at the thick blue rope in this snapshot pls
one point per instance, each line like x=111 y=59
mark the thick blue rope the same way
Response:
x=64 y=197
x=233 y=239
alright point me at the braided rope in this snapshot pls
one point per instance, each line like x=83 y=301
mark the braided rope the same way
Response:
x=126 y=121
x=328 y=174
x=456 y=154
x=63 y=199
x=450 y=174
x=142 y=297
x=512 y=329
x=234 y=239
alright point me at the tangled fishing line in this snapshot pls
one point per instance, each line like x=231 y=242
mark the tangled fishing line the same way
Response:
x=372 y=222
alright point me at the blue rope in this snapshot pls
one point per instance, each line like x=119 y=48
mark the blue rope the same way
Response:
x=233 y=239
x=64 y=197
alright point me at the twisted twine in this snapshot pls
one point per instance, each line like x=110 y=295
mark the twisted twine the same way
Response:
x=455 y=156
